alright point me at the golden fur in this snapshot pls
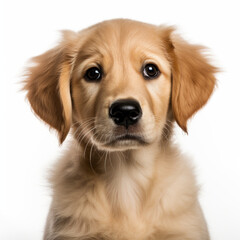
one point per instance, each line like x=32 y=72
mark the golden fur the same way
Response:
x=126 y=190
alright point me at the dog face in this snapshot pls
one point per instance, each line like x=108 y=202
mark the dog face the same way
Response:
x=122 y=88
x=117 y=83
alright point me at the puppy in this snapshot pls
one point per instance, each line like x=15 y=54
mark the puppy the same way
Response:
x=118 y=87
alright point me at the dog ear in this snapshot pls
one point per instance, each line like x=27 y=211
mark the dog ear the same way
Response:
x=48 y=86
x=193 y=79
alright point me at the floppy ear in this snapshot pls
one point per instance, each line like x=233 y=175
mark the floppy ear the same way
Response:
x=48 y=86
x=193 y=80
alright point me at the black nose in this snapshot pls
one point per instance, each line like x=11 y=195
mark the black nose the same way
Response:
x=125 y=112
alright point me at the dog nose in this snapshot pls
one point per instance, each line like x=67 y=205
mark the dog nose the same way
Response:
x=125 y=112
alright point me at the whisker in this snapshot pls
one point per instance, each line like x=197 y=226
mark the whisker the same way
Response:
x=90 y=159
x=82 y=126
x=82 y=135
x=87 y=146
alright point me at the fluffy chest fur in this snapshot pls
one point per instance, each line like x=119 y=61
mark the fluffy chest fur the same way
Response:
x=131 y=197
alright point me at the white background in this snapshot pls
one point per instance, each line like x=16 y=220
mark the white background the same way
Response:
x=28 y=149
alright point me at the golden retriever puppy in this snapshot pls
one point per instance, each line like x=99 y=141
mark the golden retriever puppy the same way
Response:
x=118 y=87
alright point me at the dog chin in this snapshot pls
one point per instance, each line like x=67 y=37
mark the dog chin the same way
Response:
x=122 y=143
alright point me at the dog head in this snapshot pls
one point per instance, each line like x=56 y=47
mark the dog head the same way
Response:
x=116 y=84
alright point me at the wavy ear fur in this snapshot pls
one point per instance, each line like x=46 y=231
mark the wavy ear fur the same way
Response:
x=48 y=85
x=193 y=79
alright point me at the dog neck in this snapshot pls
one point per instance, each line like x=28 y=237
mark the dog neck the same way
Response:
x=127 y=175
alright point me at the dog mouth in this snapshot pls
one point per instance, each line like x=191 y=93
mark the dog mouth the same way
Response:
x=119 y=138
x=127 y=139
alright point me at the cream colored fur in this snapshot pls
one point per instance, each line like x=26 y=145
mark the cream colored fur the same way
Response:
x=124 y=190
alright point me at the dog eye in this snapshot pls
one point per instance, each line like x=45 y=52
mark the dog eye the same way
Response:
x=93 y=74
x=150 y=71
